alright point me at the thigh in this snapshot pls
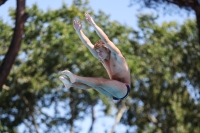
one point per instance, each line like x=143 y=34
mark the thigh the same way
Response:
x=103 y=91
x=114 y=87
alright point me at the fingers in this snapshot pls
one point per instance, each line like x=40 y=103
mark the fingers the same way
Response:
x=77 y=24
x=87 y=16
x=74 y=22
x=89 y=19
x=71 y=76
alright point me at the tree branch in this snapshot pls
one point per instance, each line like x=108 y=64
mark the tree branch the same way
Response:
x=193 y=4
x=27 y=125
x=93 y=118
x=2 y=2
x=197 y=12
x=10 y=56
x=189 y=5
x=119 y=116
x=34 y=123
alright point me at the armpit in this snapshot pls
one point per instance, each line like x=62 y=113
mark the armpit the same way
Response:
x=118 y=57
x=100 y=60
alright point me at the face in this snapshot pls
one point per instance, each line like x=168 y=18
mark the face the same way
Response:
x=103 y=52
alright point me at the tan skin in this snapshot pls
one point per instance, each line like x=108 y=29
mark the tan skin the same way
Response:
x=112 y=60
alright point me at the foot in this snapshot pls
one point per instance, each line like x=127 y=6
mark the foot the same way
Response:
x=71 y=76
x=65 y=82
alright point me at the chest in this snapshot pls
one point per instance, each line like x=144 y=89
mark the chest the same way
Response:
x=112 y=65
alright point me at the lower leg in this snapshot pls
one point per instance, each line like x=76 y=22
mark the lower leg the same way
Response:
x=68 y=84
x=80 y=86
x=111 y=87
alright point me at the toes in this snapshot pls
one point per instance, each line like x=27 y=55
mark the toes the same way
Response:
x=70 y=75
x=65 y=81
x=65 y=72
x=61 y=77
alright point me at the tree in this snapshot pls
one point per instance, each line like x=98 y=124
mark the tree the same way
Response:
x=2 y=2
x=50 y=45
x=163 y=60
x=9 y=59
x=168 y=67
x=190 y=5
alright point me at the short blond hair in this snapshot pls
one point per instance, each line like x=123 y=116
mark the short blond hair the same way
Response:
x=99 y=44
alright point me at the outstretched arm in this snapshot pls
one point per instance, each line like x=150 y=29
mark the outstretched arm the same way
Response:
x=84 y=39
x=102 y=35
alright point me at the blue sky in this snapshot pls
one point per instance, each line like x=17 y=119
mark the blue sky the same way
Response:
x=119 y=11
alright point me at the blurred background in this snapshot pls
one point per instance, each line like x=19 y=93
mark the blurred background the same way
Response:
x=159 y=39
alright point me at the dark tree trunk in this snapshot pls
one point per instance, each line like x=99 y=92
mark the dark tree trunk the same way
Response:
x=10 y=56
x=197 y=11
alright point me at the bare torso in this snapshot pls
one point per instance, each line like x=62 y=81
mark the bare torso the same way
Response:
x=117 y=68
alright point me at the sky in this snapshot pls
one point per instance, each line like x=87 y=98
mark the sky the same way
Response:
x=118 y=10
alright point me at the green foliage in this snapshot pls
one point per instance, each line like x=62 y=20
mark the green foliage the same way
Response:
x=168 y=67
x=6 y=34
x=163 y=60
x=50 y=45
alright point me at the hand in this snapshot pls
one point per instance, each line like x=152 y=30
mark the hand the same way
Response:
x=89 y=19
x=77 y=25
